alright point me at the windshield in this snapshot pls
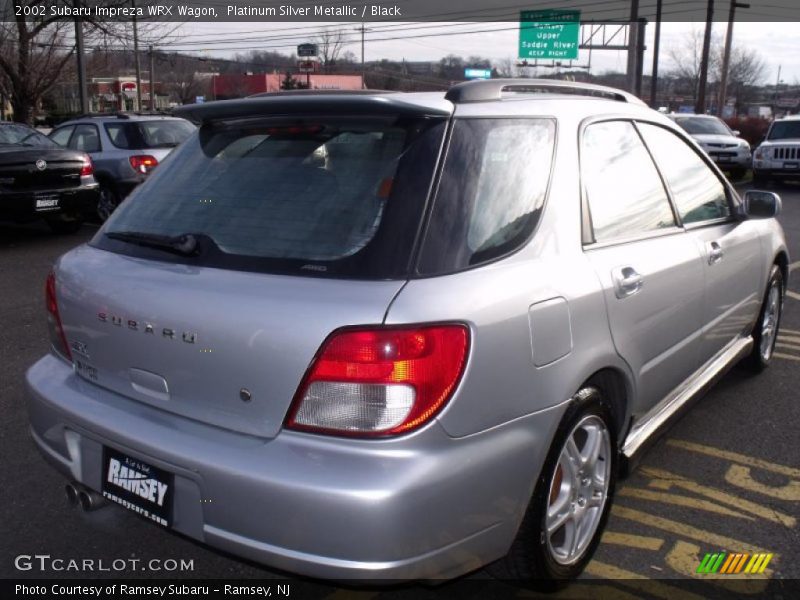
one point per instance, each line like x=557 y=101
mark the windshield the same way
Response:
x=703 y=125
x=19 y=135
x=328 y=196
x=157 y=133
x=784 y=130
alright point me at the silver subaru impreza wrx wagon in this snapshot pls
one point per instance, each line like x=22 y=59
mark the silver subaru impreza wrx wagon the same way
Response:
x=402 y=336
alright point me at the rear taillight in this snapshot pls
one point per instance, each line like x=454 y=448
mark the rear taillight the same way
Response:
x=143 y=163
x=380 y=381
x=87 y=168
x=57 y=337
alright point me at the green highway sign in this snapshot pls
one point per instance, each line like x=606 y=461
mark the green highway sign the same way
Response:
x=549 y=34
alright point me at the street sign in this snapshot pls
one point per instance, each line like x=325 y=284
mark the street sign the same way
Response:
x=307 y=66
x=470 y=73
x=307 y=50
x=549 y=34
x=199 y=99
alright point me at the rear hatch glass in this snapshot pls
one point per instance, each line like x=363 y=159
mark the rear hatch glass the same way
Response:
x=142 y=135
x=339 y=196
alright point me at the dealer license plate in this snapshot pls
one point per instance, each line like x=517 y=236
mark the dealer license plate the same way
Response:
x=46 y=202
x=790 y=165
x=138 y=486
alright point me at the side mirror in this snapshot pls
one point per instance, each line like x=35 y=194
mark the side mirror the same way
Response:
x=761 y=205
x=737 y=133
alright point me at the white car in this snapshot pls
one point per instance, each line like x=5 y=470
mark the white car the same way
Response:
x=720 y=142
x=778 y=156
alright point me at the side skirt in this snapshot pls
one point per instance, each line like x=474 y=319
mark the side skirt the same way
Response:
x=646 y=430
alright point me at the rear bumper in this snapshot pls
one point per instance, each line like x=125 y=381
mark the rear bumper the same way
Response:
x=21 y=206
x=424 y=506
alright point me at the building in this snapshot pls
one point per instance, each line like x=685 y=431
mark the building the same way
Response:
x=236 y=85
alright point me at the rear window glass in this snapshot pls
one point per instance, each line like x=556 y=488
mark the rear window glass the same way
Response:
x=340 y=196
x=139 y=135
x=492 y=189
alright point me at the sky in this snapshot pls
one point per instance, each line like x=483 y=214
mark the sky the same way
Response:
x=778 y=43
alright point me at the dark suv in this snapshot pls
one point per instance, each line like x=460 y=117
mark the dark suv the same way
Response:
x=40 y=180
x=124 y=147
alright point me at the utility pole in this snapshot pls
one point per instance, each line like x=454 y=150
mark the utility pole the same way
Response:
x=152 y=81
x=726 y=57
x=136 y=59
x=633 y=45
x=700 y=104
x=81 y=66
x=362 y=29
x=656 y=43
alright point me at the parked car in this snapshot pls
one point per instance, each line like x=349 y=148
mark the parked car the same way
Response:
x=125 y=147
x=402 y=336
x=778 y=156
x=40 y=180
x=722 y=144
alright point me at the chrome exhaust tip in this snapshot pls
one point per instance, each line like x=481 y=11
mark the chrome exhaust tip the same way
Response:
x=89 y=499
x=72 y=494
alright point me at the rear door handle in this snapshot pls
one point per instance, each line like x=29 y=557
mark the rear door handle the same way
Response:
x=626 y=281
x=715 y=253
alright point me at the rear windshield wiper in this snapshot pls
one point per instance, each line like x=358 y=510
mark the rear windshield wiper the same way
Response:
x=184 y=244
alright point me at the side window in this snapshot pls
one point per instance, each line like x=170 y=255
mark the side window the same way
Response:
x=61 y=136
x=625 y=193
x=492 y=189
x=118 y=135
x=85 y=139
x=698 y=192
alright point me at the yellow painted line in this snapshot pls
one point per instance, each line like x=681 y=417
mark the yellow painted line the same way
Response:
x=792 y=294
x=794 y=265
x=720 y=496
x=630 y=540
x=790 y=331
x=740 y=476
x=790 y=339
x=679 y=500
x=637 y=582
x=742 y=459
x=687 y=531
x=785 y=356
x=780 y=344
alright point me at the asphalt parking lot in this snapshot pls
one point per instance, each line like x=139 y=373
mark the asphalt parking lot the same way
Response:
x=726 y=478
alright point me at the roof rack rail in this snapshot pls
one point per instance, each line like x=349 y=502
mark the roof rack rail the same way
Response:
x=306 y=92
x=492 y=89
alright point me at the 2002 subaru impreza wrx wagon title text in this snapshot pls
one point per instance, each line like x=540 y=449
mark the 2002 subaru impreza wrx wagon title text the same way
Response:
x=402 y=335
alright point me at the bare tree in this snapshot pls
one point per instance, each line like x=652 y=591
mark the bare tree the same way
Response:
x=747 y=67
x=35 y=50
x=686 y=57
x=329 y=45
x=32 y=56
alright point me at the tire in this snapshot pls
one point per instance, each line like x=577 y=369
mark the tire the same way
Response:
x=547 y=560
x=108 y=201
x=765 y=331
x=65 y=223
